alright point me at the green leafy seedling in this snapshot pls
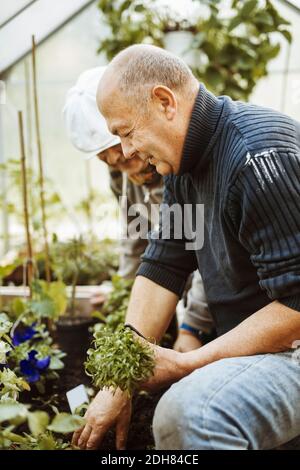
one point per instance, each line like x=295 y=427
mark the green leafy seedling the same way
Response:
x=119 y=360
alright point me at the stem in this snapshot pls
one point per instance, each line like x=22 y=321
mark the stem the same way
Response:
x=40 y=159
x=89 y=201
x=73 y=293
x=25 y=203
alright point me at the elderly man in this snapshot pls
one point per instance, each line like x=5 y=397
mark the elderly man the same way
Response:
x=242 y=390
x=87 y=130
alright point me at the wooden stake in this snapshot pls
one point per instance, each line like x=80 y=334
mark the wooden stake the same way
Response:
x=25 y=204
x=40 y=159
x=29 y=151
x=90 y=197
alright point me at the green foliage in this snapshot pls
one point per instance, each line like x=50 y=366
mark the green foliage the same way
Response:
x=11 y=354
x=49 y=300
x=11 y=411
x=11 y=385
x=40 y=430
x=41 y=342
x=7 y=269
x=5 y=348
x=90 y=263
x=5 y=325
x=232 y=51
x=130 y=22
x=41 y=433
x=79 y=262
x=115 y=307
x=13 y=203
x=118 y=359
x=66 y=423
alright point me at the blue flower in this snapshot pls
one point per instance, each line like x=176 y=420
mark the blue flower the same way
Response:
x=24 y=334
x=32 y=367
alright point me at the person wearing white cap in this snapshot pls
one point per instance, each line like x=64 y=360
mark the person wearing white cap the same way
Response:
x=88 y=132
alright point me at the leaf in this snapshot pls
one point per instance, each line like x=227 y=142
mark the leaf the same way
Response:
x=18 y=306
x=38 y=422
x=234 y=22
x=41 y=387
x=244 y=64
x=214 y=77
x=43 y=308
x=247 y=8
x=56 y=363
x=6 y=270
x=99 y=315
x=287 y=34
x=57 y=292
x=65 y=423
x=264 y=18
x=10 y=411
x=25 y=385
x=13 y=437
x=125 y=5
x=47 y=442
x=139 y=7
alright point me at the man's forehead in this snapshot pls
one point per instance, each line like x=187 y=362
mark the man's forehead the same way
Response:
x=113 y=104
x=108 y=95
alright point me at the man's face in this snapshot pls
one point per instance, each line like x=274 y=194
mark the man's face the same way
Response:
x=114 y=157
x=147 y=134
x=138 y=171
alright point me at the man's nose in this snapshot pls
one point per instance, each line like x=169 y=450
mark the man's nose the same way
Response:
x=113 y=159
x=128 y=149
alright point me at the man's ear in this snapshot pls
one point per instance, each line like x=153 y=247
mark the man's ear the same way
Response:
x=166 y=100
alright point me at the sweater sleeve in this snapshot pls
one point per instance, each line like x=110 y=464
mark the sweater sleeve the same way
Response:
x=264 y=211
x=166 y=260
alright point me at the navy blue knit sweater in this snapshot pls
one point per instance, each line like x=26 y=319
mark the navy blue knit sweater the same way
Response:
x=243 y=163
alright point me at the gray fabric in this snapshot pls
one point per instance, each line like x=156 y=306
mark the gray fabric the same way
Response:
x=196 y=312
x=237 y=403
x=131 y=250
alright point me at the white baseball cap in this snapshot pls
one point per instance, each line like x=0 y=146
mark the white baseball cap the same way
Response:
x=85 y=124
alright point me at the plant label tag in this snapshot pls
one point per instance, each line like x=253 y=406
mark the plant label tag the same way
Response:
x=76 y=397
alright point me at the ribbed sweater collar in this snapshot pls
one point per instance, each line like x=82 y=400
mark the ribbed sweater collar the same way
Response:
x=203 y=124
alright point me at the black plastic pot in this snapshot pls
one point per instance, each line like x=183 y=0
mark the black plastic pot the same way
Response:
x=74 y=338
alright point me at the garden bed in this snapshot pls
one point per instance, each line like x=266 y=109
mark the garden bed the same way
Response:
x=82 y=298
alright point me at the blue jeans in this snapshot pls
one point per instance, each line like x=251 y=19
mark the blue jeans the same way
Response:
x=250 y=402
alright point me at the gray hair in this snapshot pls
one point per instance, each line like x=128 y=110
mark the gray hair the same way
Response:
x=142 y=66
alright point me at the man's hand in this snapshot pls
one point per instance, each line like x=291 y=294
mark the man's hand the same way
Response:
x=106 y=410
x=169 y=367
x=186 y=342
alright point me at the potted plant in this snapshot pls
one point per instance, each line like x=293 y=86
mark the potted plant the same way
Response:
x=229 y=52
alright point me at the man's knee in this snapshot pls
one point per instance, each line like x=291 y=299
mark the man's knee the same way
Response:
x=170 y=420
x=178 y=420
x=191 y=415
